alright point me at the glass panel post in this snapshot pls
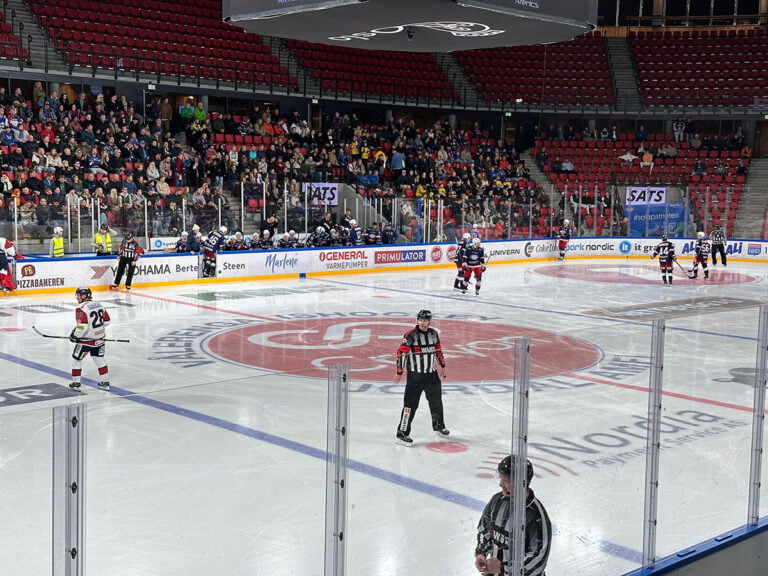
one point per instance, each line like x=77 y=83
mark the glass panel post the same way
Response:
x=336 y=470
x=653 y=441
x=69 y=428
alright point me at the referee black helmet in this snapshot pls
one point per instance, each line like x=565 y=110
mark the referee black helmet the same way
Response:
x=424 y=315
x=507 y=465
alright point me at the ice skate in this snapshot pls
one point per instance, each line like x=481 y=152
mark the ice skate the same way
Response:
x=104 y=386
x=75 y=386
x=404 y=439
x=443 y=431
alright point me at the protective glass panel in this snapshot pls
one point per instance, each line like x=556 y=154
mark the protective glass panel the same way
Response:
x=220 y=475
x=707 y=420
x=587 y=440
x=26 y=470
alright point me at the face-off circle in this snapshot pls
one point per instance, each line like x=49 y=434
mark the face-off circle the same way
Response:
x=631 y=273
x=475 y=351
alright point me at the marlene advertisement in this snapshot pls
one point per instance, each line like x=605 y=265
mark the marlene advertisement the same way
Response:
x=44 y=274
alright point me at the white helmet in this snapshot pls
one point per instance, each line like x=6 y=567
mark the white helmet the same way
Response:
x=466 y=236
x=700 y=234
x=223 y=229
x=566 y=222
x=185 y=233
x=58 y=230
x=265 y=233
x=320 y=230
x=476 y=241
x=292 y=233
x=353 y=222
x=474 y=226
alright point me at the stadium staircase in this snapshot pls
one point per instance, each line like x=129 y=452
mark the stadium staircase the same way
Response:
x=752 y=210
x=32 y=36
x=468 y=95
x=623 y=73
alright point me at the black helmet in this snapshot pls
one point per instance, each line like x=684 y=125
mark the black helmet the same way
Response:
x=663 y=237
x=506 y=468
x=128 y=235
x=424 y=315
x=85 y=292
x=103 y=227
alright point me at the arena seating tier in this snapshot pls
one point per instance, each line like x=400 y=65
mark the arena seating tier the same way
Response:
x=377 y=72
x=170 y=38
x=566 y=73
x=701 y=67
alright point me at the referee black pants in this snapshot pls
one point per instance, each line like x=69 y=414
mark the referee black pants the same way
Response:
x=718 y=248
x=125 y=266
x=432 y=387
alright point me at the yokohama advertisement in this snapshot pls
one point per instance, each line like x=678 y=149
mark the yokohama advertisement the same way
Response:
x=44 y=274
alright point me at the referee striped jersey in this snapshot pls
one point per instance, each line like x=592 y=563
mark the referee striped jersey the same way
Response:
x=494 y=529
x=717 y=237
x=419 y=351
x=129 y=249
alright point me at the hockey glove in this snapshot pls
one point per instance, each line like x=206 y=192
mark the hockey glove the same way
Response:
x=72 y=337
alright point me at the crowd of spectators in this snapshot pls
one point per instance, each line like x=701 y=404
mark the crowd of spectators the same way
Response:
x=99 y=160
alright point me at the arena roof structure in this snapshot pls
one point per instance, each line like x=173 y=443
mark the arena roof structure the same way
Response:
x=415 y=25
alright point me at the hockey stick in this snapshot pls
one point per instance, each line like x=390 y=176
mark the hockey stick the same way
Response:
x=67 y=337
x=687 y=274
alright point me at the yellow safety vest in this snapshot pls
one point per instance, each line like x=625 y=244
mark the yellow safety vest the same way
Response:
x=58 y=247
x=107 y=243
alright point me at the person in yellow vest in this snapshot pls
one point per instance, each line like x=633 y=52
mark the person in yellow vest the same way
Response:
x=102 y=241
x=57 y=243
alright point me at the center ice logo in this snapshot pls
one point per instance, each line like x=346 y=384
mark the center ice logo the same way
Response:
x=475 y=352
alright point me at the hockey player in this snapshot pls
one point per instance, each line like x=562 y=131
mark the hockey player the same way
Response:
x=289 y=240
x=355 y=233
x=461 y=246
x=318 y=238
x=128 y=255
x=181 y=243
x=7 y=255
x=88 y=335
x=563 y=236
x=372 y=234
x=388 y=235
x=213 y=243
x=475 y=232
x=703 y=250
x=718 y=239
x=266 y=242
x=493 y=530
x=334 y=239
x=474 y=263
x=421 y=353
x=665 y=250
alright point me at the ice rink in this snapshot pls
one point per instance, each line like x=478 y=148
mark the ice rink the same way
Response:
x=208 y=454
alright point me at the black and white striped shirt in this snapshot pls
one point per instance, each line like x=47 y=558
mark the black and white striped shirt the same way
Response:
x=420 y=351
x=717 y=237
x=494 y=528
x=129 y=249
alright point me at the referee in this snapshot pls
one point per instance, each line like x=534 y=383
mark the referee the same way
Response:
x=420 y=351
x=718 y=239
x=128 y=254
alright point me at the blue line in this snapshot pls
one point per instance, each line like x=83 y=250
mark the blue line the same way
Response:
x=532 y=309
x=386 y=475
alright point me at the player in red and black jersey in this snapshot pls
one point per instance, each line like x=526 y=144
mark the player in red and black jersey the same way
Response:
x=665 y=250
x=421 y=353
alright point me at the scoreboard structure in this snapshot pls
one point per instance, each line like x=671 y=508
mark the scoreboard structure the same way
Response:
x=415 y=26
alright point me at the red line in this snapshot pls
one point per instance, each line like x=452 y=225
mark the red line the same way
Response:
x=670 y=394
x=203 y=307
